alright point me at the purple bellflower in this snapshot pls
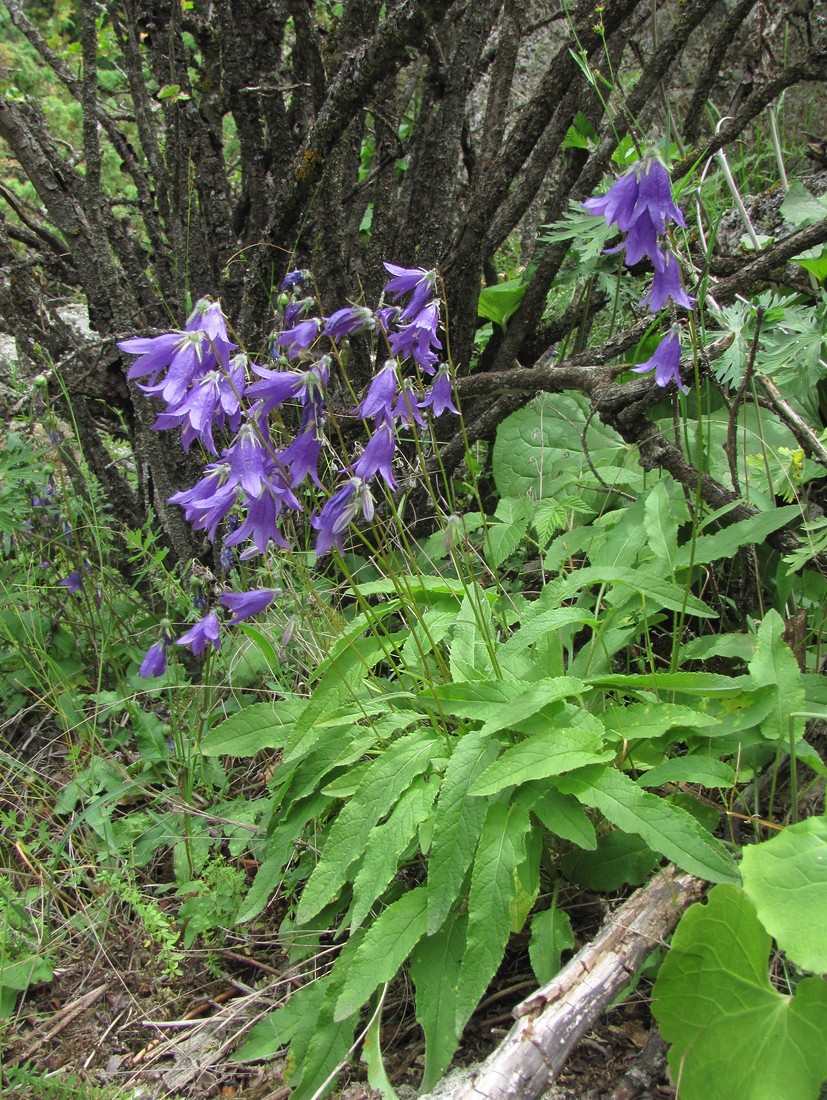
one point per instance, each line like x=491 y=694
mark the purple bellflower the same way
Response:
x=301 y=458
x=342 y=508
x=439 y=397
x=73 y=583
x=645 y=189
x=381 y=394
x=205 y=632
x=155 y=659
x=405 y=279
x=666 y=361
x=667 y=284
x=418 y=338
x=299 y=338
x=346 y=321
x=243 y=605
x=378 y=456
x=406 y=410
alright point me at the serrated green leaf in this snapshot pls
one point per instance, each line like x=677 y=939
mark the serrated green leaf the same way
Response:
x=527 y=700
x=649 y=721
x=563 y=816
x=280 y=847
x=435 y=966
x=775 y=666
x=457 y=824
x=390 y=774
x=473 y=638
x=728 y=541
x=343 y=675
x=666 y=829
x=386 y=844
x=494 y=886
x=257 y=727
x=619 y=859
x=732 y=1033
x=551 y=935
x=705 y=770
x=558 y=749
x=661 y=527
x=535 y=626
x=786 y=880
x=280 y=1027
x=386 y=944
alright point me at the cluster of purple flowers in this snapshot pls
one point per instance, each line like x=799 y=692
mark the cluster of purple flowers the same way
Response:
x=254 y=479
x=641 y=206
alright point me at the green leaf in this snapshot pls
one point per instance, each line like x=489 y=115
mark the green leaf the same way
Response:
x=495 y=883
x=732 y=1033
x=386 y=944
x=259 y=726
x=563 y=816
x=551 y=935
x=386 y=844
x=661 y=527
x=648 y=721
x=372 y=1055
x=344 y=672
x=537 y=622
x=666 y=829
x=390 y=774
x=705 y=770
x=435 y=967
x=280 y=1027
x=557 y=749
x=619 y=859
x=801 y=208
x=527 y=700
x=498 y=303
x=774 y=664
x=728 y=541
x=473 y=638
x=457 y=826
x=786 y=880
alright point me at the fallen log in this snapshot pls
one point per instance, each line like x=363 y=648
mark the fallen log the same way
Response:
x=552 y=1020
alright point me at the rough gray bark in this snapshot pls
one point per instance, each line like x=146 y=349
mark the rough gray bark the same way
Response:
x=552 y=1020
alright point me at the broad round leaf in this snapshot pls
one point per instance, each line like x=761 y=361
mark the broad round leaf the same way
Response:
x=786 y=880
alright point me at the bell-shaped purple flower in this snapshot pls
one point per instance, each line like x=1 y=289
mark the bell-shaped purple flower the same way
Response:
x=340 y=511
x=378 y=456
x=244 y=605
x=418 y=338
x=440 y=396
x=301 y=458
x=299 y=338
x=666 y=361
x=155 y=659
x=406 y=279
x=381 y=394
x=73 y=582
x=205 y=632
x=406 y=410
x=344 y=322
x=644 y=189
x=667 y=284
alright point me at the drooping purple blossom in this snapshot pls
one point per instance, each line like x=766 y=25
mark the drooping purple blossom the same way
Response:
x=418 y=338
x=377 y=457
x=667 y=284
x=73 y=582
x=209 y=500
x=344 y=322
x=440 y=395
x=261 y=521
x=243 y=605
x=644 y=190
x=294 y=278
x=205 y=632
x=301 y=458
x=340 y=511
x=299 y=338
x=155 y=659
x=406 y=410
x=406 y=279
x=666 y=361
x=381 y=395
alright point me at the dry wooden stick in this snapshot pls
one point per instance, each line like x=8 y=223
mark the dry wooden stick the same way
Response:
x=552 y=1020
